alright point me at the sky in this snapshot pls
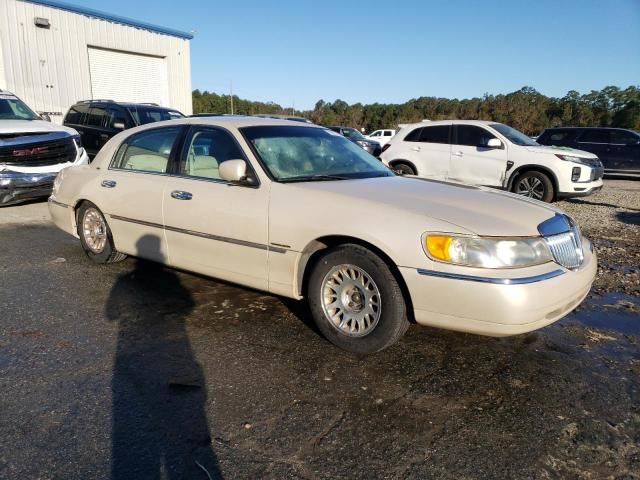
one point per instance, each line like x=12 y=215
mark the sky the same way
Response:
x=296 y=52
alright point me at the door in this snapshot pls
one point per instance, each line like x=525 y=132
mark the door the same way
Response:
x=428 y=149
x=128 y=76
x=212 y=227
x=132 y=192
x=624 y=150
x=472 y=161
x=95 y=134
x=596 y=140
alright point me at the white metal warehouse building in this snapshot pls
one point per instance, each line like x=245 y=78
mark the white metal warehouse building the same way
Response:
x=53 y=54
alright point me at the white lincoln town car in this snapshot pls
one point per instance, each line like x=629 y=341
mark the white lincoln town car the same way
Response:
x=299 y=211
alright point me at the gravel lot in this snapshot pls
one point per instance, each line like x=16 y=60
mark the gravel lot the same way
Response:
x=135 y=371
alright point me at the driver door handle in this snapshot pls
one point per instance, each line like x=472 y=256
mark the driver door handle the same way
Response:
x=416 y=149
x=458 y=153
x=181 y=195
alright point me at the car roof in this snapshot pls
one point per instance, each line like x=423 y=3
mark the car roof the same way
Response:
x=233 y=121
x=429 y=123
x=590 y=128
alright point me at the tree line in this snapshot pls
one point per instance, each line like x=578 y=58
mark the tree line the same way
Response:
x=526 y=109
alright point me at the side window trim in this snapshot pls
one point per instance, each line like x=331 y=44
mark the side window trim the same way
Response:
x=171 y=161
x=184 y=145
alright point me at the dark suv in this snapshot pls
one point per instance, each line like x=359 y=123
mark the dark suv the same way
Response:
x=356 y=137
x=618 y=149
x=98 y=120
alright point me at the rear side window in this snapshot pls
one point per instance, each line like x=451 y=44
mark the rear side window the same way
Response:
x=620 y=137
x=413 y=135
x=472 y=135
x=560 y=136
x=438 y=134
x=146 y=151
x=594 y=136
x=96 y=116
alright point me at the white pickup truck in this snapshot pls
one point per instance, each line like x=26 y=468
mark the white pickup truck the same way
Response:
x=381 y=136
x=32 y=151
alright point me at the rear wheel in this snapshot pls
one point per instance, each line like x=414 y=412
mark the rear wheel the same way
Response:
x=95 y=235
x=404 y=168
x=355 y=300
x=534 y=185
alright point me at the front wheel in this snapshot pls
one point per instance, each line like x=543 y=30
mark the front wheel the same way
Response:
x=95 y=235
x=355 y=300
x=404 y=168
x=534 y=185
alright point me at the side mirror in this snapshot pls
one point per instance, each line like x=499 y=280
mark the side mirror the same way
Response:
x=118 y=125
x=234 y=171
x=45 y=117
x=493 y=143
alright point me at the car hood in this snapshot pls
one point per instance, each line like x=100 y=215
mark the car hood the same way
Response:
x=561 y=151
x=468 y=209
x=32 y=126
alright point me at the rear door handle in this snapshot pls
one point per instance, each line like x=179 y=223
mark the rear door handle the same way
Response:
x=108 y=183
x=458 y=153
x=416 y=149
x=181 y=195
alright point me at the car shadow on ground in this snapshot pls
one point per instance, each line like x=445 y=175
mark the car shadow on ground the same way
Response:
x=580 y=201
x=159 y=422
x=630 y=218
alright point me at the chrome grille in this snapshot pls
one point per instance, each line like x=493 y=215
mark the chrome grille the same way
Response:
x=566 y=248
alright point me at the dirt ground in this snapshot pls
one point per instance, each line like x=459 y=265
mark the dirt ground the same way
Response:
x=135 y=371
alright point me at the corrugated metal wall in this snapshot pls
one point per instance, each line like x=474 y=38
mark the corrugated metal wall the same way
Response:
x=49 y=68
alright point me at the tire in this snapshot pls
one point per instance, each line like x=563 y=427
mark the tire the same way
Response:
x=535 y=185
x=95 y=235
x=354 y=273
x=404 y=168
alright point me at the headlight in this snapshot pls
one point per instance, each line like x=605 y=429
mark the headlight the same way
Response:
x=581 y=161
x=487 y=252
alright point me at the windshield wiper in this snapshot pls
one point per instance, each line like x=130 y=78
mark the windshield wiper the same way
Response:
x=313 y=178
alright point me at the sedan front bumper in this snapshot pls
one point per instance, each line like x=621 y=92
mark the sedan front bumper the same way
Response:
x=496 y=306
x=16 y=187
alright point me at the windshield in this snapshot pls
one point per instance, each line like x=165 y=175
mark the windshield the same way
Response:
x=144 y=115
x=352 y=133
x=513 y=135
x=309 y=154
x=15 y=109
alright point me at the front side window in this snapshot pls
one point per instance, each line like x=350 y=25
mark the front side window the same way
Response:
x=472 y=136
x=206 y=150
x=16 y=109
x=375 y=134
x=297 y=154
x=514 y=136
x=146 y=151
x=437 y=134
x=116 y=116
x=143 y=114
x=620 y=137
x=95 y=117
x=352 y=133
x=594 y=136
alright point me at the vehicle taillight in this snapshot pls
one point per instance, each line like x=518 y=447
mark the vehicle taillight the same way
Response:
x=385 y=147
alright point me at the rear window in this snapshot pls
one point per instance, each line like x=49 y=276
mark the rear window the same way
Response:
x=75 y=113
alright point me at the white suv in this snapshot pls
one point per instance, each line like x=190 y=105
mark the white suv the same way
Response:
x=32 y=151
x=495 y=155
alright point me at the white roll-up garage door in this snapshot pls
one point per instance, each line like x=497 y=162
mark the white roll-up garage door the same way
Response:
x=128 y=77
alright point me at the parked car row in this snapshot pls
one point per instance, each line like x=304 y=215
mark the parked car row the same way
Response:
x=298 y=223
